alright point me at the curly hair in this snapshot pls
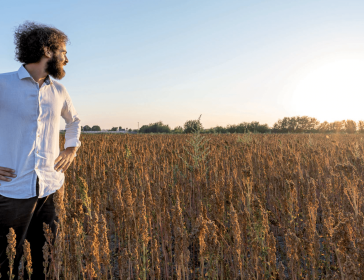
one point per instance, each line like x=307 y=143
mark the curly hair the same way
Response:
x=30 y=39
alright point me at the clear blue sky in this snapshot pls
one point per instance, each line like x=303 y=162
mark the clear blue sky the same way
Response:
x=170 y=61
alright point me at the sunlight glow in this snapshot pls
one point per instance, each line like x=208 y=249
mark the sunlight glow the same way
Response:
x=333 y=91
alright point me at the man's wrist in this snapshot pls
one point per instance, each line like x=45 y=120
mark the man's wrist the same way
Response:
x=72 y=149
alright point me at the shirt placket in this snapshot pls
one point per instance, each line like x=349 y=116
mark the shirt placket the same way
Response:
x=39 y=132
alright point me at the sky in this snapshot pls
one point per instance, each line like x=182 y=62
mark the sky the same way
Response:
x=230 y=61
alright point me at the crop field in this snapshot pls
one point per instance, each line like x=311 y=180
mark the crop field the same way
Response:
x=249 y=206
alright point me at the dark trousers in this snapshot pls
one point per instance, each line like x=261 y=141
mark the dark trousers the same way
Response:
x=26 y=217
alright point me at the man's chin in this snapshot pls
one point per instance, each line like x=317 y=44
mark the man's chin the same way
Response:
x=58 y=76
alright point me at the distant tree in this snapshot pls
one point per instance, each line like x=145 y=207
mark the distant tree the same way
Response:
x=120 y=128
x=306 y=124
x=254 y=127
x=350 y=126
x=243 y=127
x=193 y=125
x=220 y=129
x=296 y=124
x=208 y=130
x=337 y=126
x=157 y=127
x=331 y=127
x=87 y=128
x=361 y=126
x=231 y=128
x=114 y=129
x=324 y=127
x=263 y=128
x=177 y=129
x=281 y=126
x=96 y=128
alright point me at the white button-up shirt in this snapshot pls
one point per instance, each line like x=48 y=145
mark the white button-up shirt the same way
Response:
x=29 y=132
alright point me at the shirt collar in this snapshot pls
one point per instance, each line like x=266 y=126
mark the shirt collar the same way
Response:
x=23 y=74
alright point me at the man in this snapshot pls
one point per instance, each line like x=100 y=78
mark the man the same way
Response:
x=31 y=164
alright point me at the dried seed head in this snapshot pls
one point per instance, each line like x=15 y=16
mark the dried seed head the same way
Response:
x=28 y=257
x=11 y=251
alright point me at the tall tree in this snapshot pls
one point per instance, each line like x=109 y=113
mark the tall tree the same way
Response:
x=87 y=128
x=361 y=126
x=193 y=126
x=350 y=126
x=178 y=129
x=337 y=126
x=324 y=127
x=157 y=127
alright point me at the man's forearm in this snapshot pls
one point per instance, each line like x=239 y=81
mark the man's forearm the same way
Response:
x=72 y=135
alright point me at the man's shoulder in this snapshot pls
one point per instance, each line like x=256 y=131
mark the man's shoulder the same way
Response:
x=7 y=76
x=60 y=88
x=8 y=79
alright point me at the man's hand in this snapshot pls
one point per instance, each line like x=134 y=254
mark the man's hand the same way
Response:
x=65 y=158
x=6 y=172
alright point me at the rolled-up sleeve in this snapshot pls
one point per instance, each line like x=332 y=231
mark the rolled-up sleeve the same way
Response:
x=73 y=124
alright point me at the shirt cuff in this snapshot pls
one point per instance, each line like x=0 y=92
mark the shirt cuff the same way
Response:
x=72 y=143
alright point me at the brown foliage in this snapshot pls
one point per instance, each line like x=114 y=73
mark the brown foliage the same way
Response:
x=274 y=207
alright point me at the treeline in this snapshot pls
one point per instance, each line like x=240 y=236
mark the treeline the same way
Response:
x=296 y=124
x=89 y=128
x=98 y=128
x=196 y=125
x=312 y=125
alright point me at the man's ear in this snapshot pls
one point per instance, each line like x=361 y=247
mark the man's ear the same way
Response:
x=47 y=52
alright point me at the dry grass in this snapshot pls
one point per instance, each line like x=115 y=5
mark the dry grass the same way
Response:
x=222 y=207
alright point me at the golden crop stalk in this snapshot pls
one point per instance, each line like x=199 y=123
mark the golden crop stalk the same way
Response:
x=176 y=207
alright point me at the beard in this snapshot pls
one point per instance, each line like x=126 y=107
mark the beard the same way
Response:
x=55 y=68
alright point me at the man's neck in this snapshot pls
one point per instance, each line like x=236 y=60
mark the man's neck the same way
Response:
x=37 y=71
